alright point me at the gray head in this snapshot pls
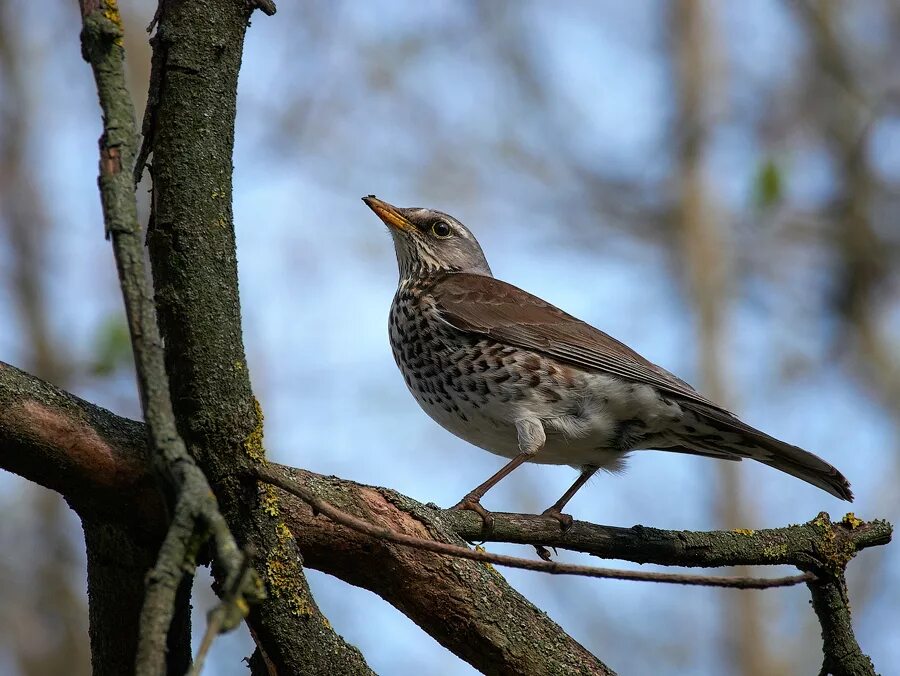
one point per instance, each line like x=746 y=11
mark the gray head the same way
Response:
x=428 y=242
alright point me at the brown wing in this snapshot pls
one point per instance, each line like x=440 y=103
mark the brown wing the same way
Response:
x=487 y=306
x=490 y=307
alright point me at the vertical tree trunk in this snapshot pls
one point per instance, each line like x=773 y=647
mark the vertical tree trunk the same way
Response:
x=189 y=127
x=705 y=249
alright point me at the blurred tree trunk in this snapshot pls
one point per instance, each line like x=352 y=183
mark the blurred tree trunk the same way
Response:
x=705 y=252
x=46 y=616
x=862 y=255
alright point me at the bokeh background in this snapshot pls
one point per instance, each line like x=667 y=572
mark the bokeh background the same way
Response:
x=716 y=184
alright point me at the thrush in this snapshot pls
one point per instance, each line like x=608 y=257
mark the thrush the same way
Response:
x=516 y=376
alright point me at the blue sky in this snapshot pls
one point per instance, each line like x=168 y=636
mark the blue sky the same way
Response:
x=318 y=273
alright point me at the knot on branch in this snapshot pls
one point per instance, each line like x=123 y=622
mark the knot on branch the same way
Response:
x=839 y=542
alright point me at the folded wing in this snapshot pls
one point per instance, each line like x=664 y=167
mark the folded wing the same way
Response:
x=490 y=307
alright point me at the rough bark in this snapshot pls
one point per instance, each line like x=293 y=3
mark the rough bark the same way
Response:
x=842 y=654
x=118 y=563
x=400 y=575
x=189 y=128
x=163 y=637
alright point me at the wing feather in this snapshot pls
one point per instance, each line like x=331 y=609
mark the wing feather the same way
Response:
x=493 y=308
x=490 y=307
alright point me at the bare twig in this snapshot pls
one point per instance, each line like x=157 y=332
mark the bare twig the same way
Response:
x=271 y=476
x=225 y=616
x=176 y=559
x=791 y=545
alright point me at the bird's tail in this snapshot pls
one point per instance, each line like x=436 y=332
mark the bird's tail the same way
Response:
x=803 y=465
x=740 y=440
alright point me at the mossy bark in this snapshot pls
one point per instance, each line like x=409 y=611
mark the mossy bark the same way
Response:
x=190 y=129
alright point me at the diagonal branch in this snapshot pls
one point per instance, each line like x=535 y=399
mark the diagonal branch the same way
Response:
x=63 y=442
x=273 y=476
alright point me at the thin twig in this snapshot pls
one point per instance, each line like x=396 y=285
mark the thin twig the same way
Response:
x=174 y=561
x=213 y=627
x=267 y=7
x=226 y=615
x=339 y=516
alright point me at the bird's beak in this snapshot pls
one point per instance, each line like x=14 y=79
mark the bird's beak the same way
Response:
x=388 y=213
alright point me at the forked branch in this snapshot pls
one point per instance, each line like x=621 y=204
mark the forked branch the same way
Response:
x=272 y=476
x=97 y=459
x=196 y=514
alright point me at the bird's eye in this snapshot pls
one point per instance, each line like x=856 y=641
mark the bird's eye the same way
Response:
x=441 y=229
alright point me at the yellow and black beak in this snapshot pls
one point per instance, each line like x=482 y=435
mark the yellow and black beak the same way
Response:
x=389 y=214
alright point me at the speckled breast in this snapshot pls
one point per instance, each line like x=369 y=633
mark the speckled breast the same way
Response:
x=477 y=388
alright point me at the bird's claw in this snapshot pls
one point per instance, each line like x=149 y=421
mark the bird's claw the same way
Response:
x=543 y=552
x=565 y=520
x=472 y=504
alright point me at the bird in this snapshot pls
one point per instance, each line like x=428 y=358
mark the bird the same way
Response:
x=518 y=377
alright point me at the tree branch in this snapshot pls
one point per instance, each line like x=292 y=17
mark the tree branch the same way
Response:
x=278 y=478
x=842 y=654
x=462 y=604
x=804 y=546
x=195 y=505
x=466 y=606
x=189 y=129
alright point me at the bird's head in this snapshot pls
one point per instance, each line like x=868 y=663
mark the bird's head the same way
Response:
x=429 y=242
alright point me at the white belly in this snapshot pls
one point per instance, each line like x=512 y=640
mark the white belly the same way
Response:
x=579 y=433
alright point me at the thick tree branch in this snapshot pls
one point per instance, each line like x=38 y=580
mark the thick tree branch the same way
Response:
x=90 y=456
x=466 y=606
x=279 y=477
x=189 y=129
x=116 y=589
x=195 y=507
x=468 y=609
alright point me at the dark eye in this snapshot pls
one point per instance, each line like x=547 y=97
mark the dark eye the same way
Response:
x=440 y=229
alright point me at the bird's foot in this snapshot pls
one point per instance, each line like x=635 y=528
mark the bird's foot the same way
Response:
x=565 y=520
x=543 y=552
x=471 y=503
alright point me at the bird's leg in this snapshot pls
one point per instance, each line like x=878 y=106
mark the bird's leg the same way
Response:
x=531 y=439
x=472 y=500
x=565 y=521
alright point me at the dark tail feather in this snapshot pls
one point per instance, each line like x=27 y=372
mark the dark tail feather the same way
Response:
x=801 y=464
x=782 y=456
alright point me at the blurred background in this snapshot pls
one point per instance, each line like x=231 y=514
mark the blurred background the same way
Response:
x=716 y=184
